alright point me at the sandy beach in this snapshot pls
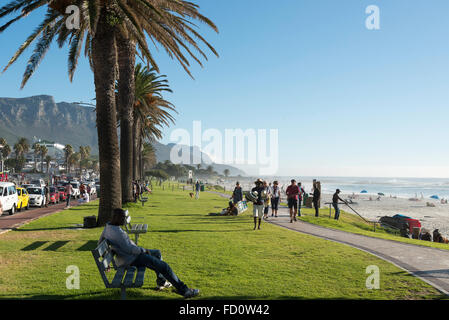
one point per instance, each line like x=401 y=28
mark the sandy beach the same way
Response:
x=431 y=217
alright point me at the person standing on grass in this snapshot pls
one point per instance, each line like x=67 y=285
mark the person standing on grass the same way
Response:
x=276 y=197
x=68 y=192
x=335 y=199
x=258 y=206
x=292 y=199
x=237 y=194
x=129 y=254
x=197 y=189
x=300 y=195
x=316 y=199
x=266 y=199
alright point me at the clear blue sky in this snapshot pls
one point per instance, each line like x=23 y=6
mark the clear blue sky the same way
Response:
x=347 y=101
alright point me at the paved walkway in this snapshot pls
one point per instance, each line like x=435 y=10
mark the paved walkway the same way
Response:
x=429 y=264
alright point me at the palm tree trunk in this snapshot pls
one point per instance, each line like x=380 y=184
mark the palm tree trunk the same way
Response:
x=136 y=149
x=104 y=58
x=126 y=55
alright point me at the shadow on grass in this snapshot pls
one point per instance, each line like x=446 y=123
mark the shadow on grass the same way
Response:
x=52 y=247
x=179 y=231
x=47 y=229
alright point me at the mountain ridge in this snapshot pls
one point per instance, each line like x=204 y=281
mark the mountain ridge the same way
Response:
x=65 y=123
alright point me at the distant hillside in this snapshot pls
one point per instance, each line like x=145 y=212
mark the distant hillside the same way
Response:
x=40 y=116
x=163 y=153
x=64 y=123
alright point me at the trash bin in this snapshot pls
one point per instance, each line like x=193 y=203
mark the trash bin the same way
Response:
x=304 y=200
x=202 y=187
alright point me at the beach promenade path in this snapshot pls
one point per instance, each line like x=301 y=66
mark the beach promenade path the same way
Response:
x=429 y=264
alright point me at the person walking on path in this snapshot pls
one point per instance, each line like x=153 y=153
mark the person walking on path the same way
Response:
x=129 y=254
x=266 y=196
x=300 y=197
x=316 y=199
x=292 y=199
x=197 y=189
x=258 y=206
x=335 y=199
x=237 y=195
x=68 y=192
x=276 y=197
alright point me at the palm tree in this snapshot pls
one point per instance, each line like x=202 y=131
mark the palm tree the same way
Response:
x=165 y=22
x=43 y=152
x=37 y=151
x=148 y=158
x=68 y=151
x=151 y=111
x=6 y=151
x=84 y=155
x=48 y=160
x=226 y=172
x=74 y=159
x=25 y=144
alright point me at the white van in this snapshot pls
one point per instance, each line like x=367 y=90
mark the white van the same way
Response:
x=8 y=197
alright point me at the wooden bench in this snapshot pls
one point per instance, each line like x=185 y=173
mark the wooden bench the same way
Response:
x=135 y=229
x=130 y=277
x=143 y=200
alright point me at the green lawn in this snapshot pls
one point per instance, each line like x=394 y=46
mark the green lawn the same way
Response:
x=352 y=223
x=222 y=256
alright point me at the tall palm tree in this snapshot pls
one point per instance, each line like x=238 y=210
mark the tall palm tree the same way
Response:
x=68 y=151
x=165 y=22
x=48 y=160
x=43 y=152
x=37 y=151
x=151 y=111
x=84 y=155
x=74 y=159
x=6 y=151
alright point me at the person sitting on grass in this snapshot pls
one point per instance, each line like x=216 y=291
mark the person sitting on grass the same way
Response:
x=231 y=210
x=129 y=254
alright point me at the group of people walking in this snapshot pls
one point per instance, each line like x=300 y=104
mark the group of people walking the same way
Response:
x=268 y=195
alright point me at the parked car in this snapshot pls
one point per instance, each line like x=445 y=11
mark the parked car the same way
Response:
x=8 y=197
x=62 y=194
x=75 y=189
x=38 y=182
x=24 y=199
x=37 y=196
x=25 y=186
x=53 y=195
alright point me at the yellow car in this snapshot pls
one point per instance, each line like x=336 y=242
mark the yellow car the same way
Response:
x=24 y=199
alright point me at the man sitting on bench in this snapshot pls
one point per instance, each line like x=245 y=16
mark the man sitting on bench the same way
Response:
x=129 y=254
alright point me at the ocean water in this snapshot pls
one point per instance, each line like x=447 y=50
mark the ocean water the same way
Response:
x=400 y=187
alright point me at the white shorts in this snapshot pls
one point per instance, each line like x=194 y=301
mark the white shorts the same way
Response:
x=258 y=211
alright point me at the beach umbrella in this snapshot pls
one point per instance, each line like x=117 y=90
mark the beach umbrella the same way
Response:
x=434 y=197
x=380 y=194
x=363 y=191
